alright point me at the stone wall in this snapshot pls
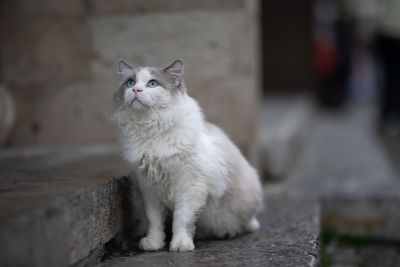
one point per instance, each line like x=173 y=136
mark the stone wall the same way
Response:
x=58 y=58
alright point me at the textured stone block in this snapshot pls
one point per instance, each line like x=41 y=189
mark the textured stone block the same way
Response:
x=58 y=206
x=77 y=113
x=137 y=6
x=207 y=41
x=22 y=9
x=44 y=51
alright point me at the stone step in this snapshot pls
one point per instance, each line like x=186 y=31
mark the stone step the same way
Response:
x=288 y=236
x=285 y=121
x=58 y=206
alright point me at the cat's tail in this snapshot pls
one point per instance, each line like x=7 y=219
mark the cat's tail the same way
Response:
x=253 y=224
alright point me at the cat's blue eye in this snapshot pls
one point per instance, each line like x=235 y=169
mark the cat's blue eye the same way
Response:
x=152 y=84
x=131 y=83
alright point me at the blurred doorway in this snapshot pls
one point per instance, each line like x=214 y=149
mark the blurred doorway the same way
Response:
x=287 y=46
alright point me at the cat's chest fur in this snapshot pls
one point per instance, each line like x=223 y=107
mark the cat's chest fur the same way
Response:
x=161 y=147
x=158 y=139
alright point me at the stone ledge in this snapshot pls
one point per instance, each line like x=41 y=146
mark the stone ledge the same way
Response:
x=58 y=206
x=288 y=237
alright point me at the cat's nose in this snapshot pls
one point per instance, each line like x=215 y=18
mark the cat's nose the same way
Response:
x=137 y=90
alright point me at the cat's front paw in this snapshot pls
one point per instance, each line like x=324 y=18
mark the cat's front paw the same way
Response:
x=181 y=243
x=148 y=243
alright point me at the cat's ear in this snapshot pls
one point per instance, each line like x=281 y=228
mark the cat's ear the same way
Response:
x=123 y=67
x=175 y=71
x=175 y=68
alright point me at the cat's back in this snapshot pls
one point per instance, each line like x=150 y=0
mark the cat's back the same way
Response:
x=240 y=170
x=218 y=138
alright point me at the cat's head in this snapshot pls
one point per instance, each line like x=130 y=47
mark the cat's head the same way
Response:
x=146 y=88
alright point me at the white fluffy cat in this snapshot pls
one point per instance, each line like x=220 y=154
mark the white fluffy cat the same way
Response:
x=184 y=165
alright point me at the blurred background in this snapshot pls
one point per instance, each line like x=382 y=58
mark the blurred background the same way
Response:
x=305 y=88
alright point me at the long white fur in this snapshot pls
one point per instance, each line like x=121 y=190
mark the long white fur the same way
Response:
x=187 y=166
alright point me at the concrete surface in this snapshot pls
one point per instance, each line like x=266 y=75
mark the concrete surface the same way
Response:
x=58 y=206
x=288 y=237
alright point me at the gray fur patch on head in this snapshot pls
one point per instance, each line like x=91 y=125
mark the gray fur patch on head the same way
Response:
x=124 y=68
x=175 y=72
x=171 y=82
x=176 y=68
x=118 y=100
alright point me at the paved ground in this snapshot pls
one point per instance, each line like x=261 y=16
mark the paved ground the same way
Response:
x=349 y=168
x=288 y=237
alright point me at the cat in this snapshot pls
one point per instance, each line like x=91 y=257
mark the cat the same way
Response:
x=184 y=165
